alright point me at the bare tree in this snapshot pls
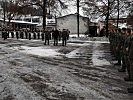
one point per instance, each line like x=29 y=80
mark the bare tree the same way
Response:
x=107 y=9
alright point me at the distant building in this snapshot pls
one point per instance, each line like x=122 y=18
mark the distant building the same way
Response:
x=70 y=22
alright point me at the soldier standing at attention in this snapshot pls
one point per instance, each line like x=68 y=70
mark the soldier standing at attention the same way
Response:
x=64 y=37
x=4 y=32
x=26 y=34
x=34 y=34
x=122 y=41
x=130 y=90
x=7 y=32
x=12 y=33
x=38 y=34
x=17 y=33
x=42 y=34
x=55 y=35
x=126 y=54
x=117 y=44
x=29 y=35
x=47 y=37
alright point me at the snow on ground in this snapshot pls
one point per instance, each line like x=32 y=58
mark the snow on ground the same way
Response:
x=76 y=35
x=47 y=51
x=40 y=51
x=76 y=76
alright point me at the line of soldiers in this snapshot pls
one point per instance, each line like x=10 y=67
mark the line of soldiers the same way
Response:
x=57 y=35
x=46 y=35
x=121 y=45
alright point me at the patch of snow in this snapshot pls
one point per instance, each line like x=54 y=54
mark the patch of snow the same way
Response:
x=40 y=51
x=73 y=54
x=98 y=57
x=76 y=35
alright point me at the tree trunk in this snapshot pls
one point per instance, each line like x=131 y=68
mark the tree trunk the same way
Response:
x=4 y=11
x=44 y=14
x=107 y=18
x=118 y=13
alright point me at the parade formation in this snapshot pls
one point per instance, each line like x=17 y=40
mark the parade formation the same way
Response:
x=121 y=45
x=44 y=35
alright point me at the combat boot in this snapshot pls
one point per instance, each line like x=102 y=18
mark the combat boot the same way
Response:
x=128 y=79
x=130 y=90
x=122 y=70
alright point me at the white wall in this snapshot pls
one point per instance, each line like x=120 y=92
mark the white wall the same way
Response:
x=70 y=22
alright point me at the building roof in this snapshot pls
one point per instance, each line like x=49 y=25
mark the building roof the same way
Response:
x=72 y=15
x=16 y=21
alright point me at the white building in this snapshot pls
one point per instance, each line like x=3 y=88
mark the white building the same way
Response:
x=70 y=22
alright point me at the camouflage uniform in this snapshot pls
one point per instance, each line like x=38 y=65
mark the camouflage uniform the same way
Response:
x=126 y=53
x=47 y=37
x=130 y=90
x=26 y=34
x=42 y=36
x=29 y=35
x=64 y=37
x=12 y=34
x=55 y=35
x=117 y=49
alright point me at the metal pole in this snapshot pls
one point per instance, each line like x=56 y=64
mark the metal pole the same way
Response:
x=44 y=14
x=107 y=18
x=4 y=11
x=78 y=17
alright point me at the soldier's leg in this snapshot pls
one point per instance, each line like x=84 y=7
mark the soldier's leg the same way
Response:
x=62 y=42
x=131 y=69
x=130 y=90
x=65 y=42
x=118 y=57
x=54 y=41
x=45 y=42
x=128 y=78
x=123 y=68
x=48 y=41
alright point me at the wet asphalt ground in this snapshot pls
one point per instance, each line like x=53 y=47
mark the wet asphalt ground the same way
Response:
x=84 y=71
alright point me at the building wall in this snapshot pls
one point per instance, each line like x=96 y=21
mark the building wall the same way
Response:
x=70 y=22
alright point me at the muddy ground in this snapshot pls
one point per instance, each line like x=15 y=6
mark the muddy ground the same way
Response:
x=83 y=70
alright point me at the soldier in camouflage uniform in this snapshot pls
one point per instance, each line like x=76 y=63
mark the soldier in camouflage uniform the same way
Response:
x=29 y=34
x=4 y=32
x=130 y=90
x=17 y=33
x=117 y=46
x=34 y=34
x=38 y=34
x=21 y=34
x=55 y=35
x=42 y=34
x=122 y=41
x=64 y=37
x=12 y=33
x=26 y=34
x=47 y=37
x=126 y=54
